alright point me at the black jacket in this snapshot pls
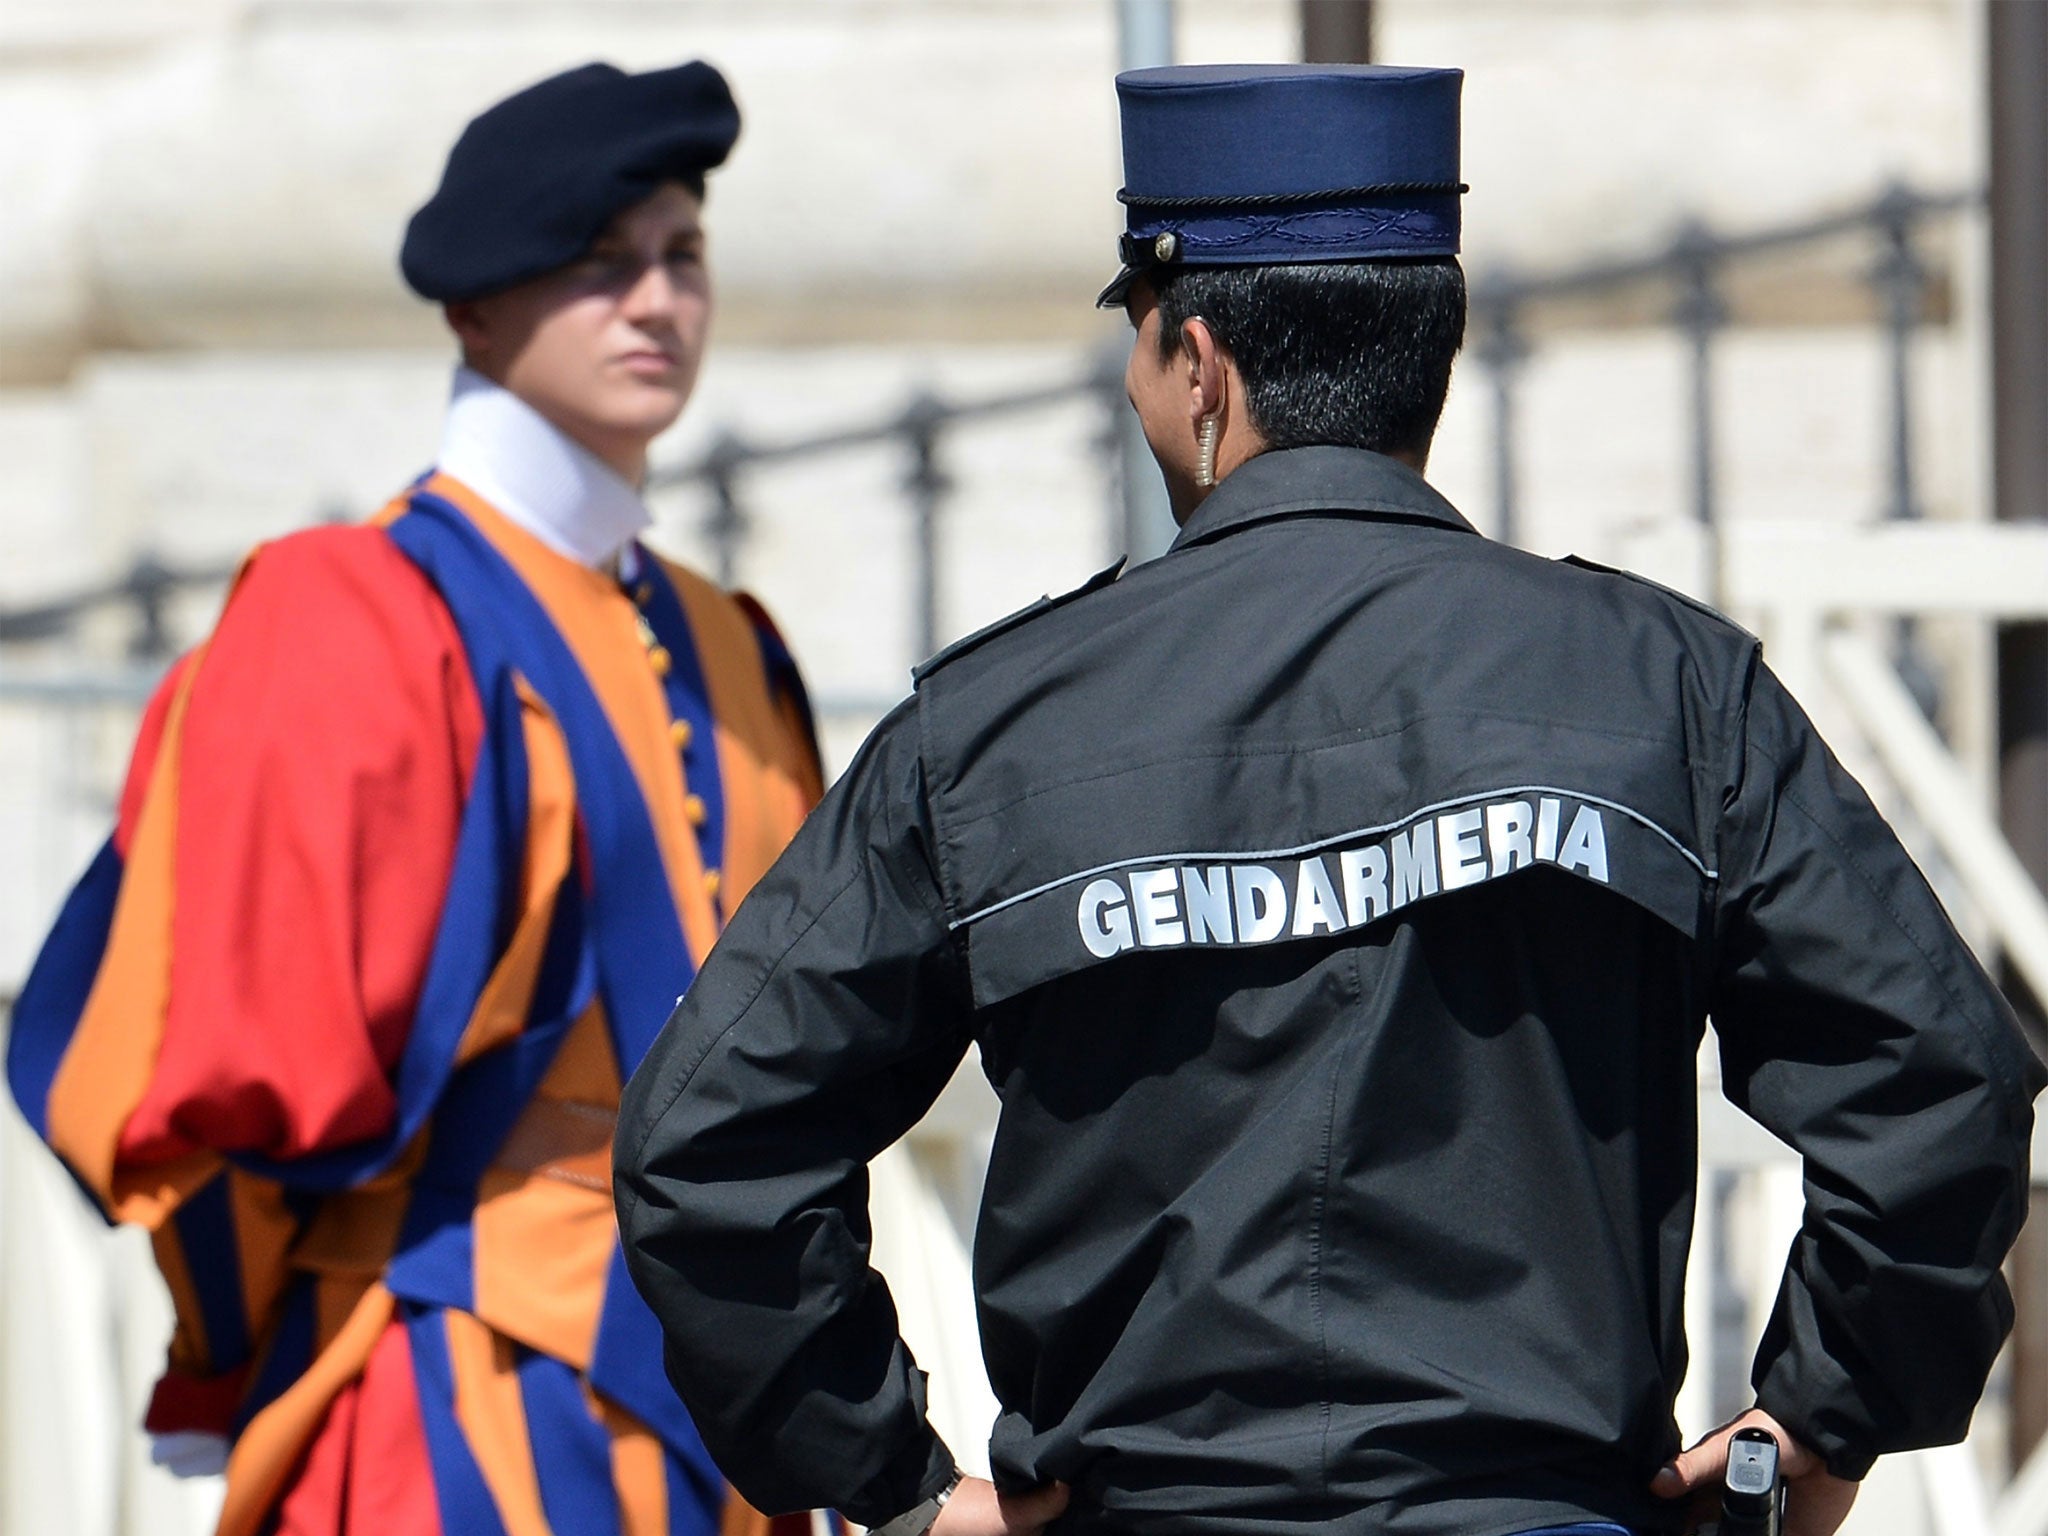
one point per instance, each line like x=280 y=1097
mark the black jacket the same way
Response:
x=1337 y=903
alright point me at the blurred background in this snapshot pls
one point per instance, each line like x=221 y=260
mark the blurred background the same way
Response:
x=1760 y=309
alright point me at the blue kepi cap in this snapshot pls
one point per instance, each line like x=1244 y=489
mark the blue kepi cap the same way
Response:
x=1260 y=164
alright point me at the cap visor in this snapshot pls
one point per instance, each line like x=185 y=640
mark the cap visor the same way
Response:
x=1119 y=288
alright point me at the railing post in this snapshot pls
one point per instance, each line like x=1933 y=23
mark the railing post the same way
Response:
x=926 y=484
x=1147 y=527
x=1144 y=33
x=2016 y=55
x=727 y=521
x=1145 y=40
x=149 y=585
x=1727 y=1349
x=1699 y=312
x=1501 y=351
x=1900 y=276
x=1113 y=443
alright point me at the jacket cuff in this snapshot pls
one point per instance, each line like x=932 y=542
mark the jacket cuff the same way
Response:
x=1808 y=1423
x=916 y=1473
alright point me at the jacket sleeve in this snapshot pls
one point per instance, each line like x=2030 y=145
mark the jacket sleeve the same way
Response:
x=829 y=1017
x=1856 y=1025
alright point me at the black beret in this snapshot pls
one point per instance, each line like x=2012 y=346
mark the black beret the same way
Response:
x=534 y=179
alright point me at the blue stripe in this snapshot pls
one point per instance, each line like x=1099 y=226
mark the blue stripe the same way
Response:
x=53 y=998
x=290 y=1353
x=643 y=962
x=689 y=699
x=206 y=1231
x=572 y=1451
x=467 y=1508
x=626 y=1366
x=436 y=1256
x=688 y=1514
x=435 y=1260
x=476 y=920
x=621 y=936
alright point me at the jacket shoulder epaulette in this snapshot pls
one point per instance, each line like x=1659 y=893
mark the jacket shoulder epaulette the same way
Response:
x=966 y=643
x=1704 y=609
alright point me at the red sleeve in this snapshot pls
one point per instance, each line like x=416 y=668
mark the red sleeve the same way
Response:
x=327 y=745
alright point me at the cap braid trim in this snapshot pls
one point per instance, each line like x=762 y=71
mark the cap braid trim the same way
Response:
x=1132 y=199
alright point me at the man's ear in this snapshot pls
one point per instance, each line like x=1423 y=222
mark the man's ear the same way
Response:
x=466 y=319
x=1207 y=384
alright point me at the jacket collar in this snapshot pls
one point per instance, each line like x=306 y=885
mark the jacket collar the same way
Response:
x=1322 y=479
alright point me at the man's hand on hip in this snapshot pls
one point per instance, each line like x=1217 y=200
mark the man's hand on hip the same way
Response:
x=977 y=1509
x=1816 y=1501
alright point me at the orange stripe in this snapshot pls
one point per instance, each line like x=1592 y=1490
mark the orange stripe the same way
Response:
x=264 y=1233
x=585 y=1070
x=764 y=766
x=191 y=1351
x=805 y=768
x=268 y=1451
x=544 y=1224
x=544 y=1232
x=107 y=1067
x=355 y=1231
x=639 y=1472
x=391 y=511
x=492 y=1414
x=550 y=839
x=335 y=1299
x=600 y=626
x=543 y=1248
x=739 y=1518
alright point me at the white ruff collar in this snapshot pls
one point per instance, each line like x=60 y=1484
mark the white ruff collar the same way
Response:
x=536 y=474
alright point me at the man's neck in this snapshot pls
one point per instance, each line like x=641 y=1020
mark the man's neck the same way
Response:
x=626 y=457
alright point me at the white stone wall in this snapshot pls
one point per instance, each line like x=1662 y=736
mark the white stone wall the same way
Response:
x=227 y=172
x=1593 y=125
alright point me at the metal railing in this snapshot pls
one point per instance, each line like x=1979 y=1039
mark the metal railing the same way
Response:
x=919 y=428
x=1692 y=270
x=146 y=589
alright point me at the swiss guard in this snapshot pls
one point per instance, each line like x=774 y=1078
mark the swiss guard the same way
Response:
x=414 y=856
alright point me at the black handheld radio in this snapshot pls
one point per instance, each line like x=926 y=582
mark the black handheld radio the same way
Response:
x=1752 y=1492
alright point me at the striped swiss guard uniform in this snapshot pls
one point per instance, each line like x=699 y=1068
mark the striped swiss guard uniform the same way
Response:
x=414 y=856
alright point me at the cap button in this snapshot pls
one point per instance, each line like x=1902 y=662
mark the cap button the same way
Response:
x=1166 y=246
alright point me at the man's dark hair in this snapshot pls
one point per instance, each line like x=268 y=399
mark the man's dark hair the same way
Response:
x=1355 y=353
